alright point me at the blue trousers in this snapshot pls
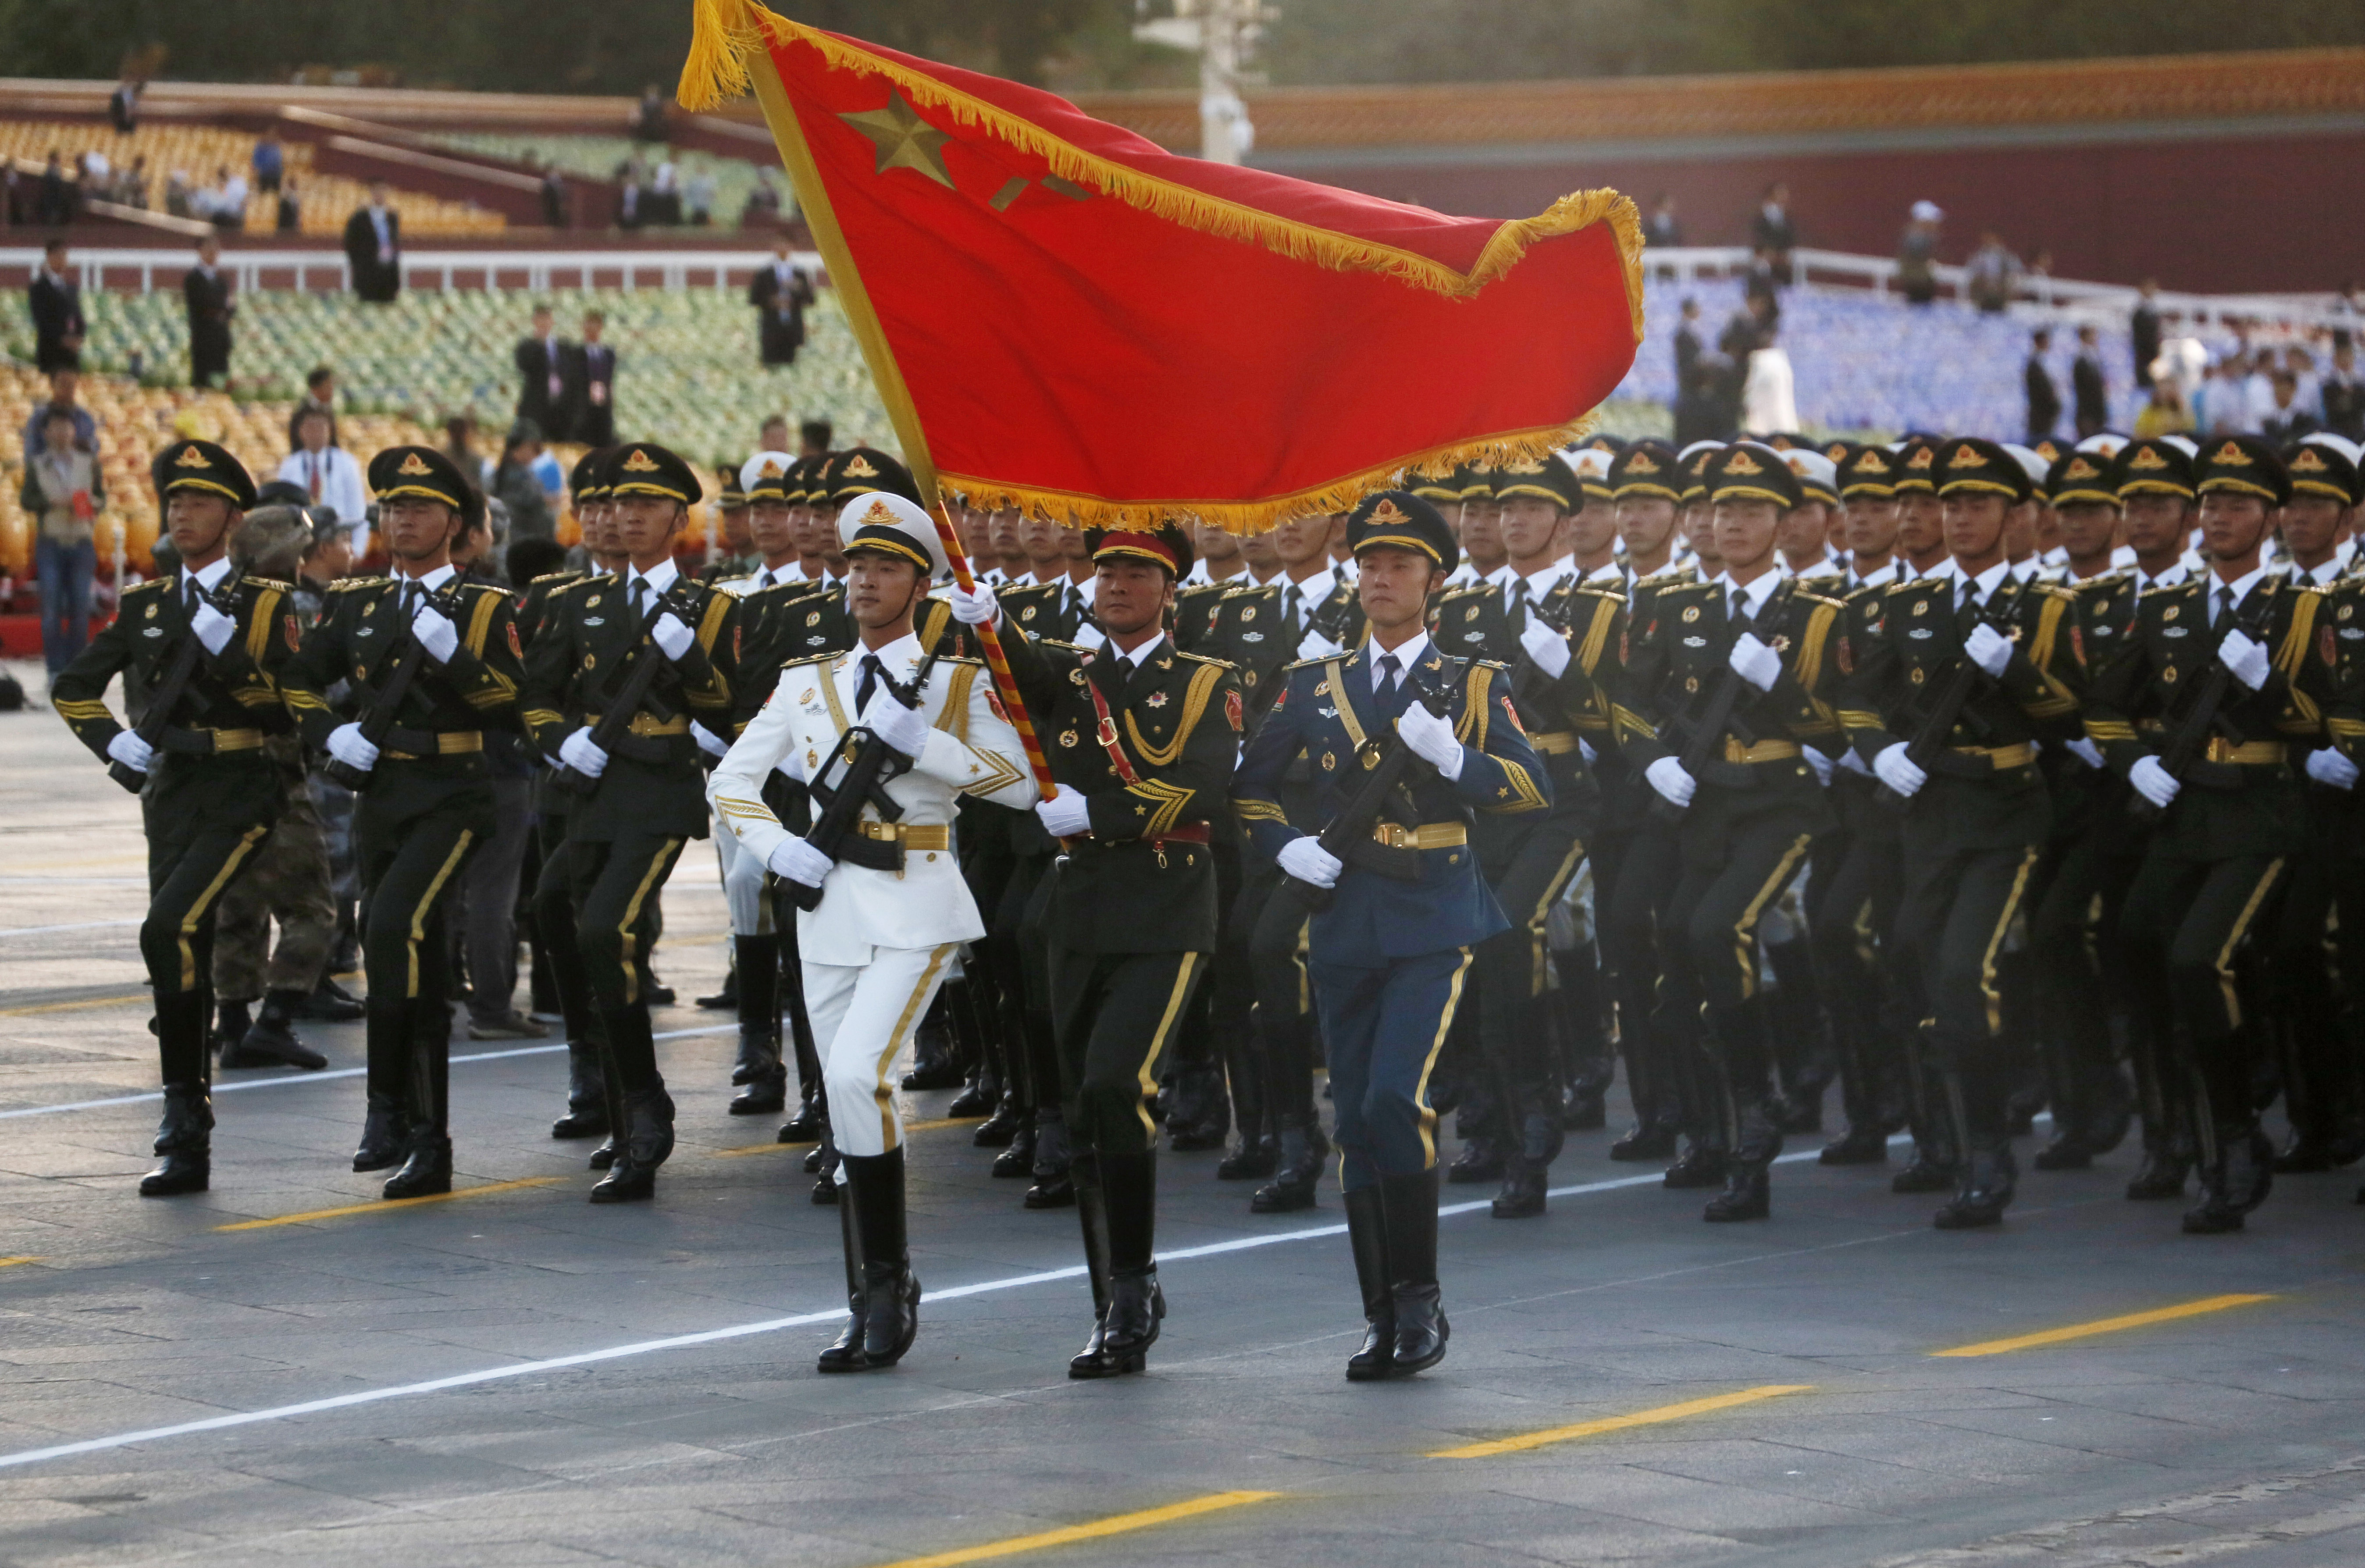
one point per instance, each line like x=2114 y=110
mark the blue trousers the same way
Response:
x=64 y=572
x=1382 y=1028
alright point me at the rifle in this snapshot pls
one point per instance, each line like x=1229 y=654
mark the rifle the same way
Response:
x=1964 y=681
x=395 y=680
x=629 y=692
x=1706 y=742
x=869 y=762
x=167 y=694
x=2201 y=717
x=1349 y=834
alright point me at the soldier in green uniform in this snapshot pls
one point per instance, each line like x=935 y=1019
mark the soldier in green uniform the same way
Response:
x=644 y=797
x=1735 y=676
x=2230 y=811
x=1141 y=739
x=209 y=792
x=433 y=663
x=2002 y=652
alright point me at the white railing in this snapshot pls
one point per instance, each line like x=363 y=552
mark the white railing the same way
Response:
x=102 y=268
x=2063 y=297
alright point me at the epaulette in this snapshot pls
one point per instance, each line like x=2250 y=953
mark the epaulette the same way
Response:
x=1614 y=593
x=1814 y=597
x=347 y=585
x=147 y=585
x=1902 y=585
x=1203 y=659
x=1666 y=577
x=1071 y=647
x=1696 y=583
x=1482 y=586
x=2188 y=586
x=1313 y=663
x=2057 y=590
x=1474 y=664
x=941 y=658
x=2109 y=579
x=819 y=659
x=270 y=583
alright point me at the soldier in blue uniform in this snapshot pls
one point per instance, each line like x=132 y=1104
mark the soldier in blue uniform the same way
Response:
x=1388 y=957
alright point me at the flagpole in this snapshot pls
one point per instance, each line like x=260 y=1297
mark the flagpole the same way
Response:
x=1002 y=680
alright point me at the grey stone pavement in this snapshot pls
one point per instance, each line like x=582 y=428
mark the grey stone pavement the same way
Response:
x=2234 y=1437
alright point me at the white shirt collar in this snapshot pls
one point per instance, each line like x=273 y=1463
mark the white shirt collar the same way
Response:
x=896 y=659
x=1313 y=590
x=1406 y=653
x=2168 y=578
x=210 y=578
x=1500 y=577
x=1612 y=573
x=1754 y=596
x=2024 y=570
x=1881 y=579
x=2324 y=576
x=2241 y=585
x=433 y=582
x=660 y=577
x=1986 y=582
x=1133 y=661
x=1543 y=582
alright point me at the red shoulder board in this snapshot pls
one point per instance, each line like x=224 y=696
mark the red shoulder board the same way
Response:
x=295 y=634
x=1513 y=715
x=1232 y=705
x=994 y=705
x=517 y=648
x=1846 y=657
x=2326 y=649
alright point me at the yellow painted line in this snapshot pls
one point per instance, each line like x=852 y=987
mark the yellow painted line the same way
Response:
x=1619 y=1423
x=12 y=1262
x=1115 y=1524
x=70 y=1006
x=386 y=1203
x=2105 y=1326
x=909 y=1128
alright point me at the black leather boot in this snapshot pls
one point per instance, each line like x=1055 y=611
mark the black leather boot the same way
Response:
x=846 y=1354
x=982 y=1097
x=763 y=1077
x=1295 y=1174
x=648 y=1140
x=891 y=1316
x=936 y=1064
x=587 y=1102
x=1001 y=1129
x=824 y=1162
x=232 y=1018
x=1754 y=1113
x=2235 y=1179
x=1255 y=1158
x=386 y=1134
x=1985 y=1172
x=1055 y=1185
x=1092 y=1216
x=2167 y=1144
x=270 y=1040
x=426 y=1164
x=1936 y=1154
x=1408 y=1205
x=1136 y=1307
x=1018 y=1160
x=1701 y=1164
x=1367 y=1237
x=1756 y=1140
x=812 y=1118
x=184 y=1140
x=728 y=998
x=1860 y=1144
x=1644 y=1141
x=329 y=1002
x=1481 y=1159
x=1528 y=1170
x=767 y=1081
x=1203 y=1111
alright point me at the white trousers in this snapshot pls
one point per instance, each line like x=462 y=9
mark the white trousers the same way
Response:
x=863 y=1018
x=743 y=883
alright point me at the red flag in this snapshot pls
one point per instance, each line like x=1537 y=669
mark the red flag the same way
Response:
x=1063 y=317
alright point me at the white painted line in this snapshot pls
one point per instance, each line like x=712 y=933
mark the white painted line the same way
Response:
x=733 y=1331
x=77 y=925
x=292 y=1076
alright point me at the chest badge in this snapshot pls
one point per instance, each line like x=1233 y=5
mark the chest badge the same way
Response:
x=1248 y=614
x=1066 y=737
x=814 y=620
x=2168 y=674
x=591 y=603
x=365 y=632
x=2170 y=613
x=1920 y=607
x=1329 y=762
x=153 y=632
x=1155 y=699
x=1691 y=613
x=1077 y=676
x=151 y=612
x=1695 y=642
x=808 y=696
x=1252 y=636
x=595 y=621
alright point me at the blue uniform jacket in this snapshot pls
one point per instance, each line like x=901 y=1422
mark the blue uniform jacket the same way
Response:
x=1325 y=709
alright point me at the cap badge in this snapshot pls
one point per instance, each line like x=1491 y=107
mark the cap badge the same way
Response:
x=2309 y=461
x=1742 y=463
x=2231 y=456
x=1525 y=465
x=413 y=464
x=191 y=458
x=2149 y=457
x=2082 y=469
x=1641 y=463
x=640 y=463
x=771 y=470
x=1968 y=457
x=1921 y=458
x=880 y=512
x=859 y=468
x=1386 y=514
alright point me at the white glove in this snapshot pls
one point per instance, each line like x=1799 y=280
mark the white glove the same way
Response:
x=436 y=635
x=2328 y=766
x=212 y=627
x=1987 y=648
x=1431 y=738
x=1065 y=815
x=1306 y=860
x=577 y=752
x=671 y=636
x=1755 y=663
x=348 y=745
x=1898 y=771
x=1546 y=647
x=2246 y=657
x=1089 y=636
x=1585 y=749
x=974 y=608
x=2085 y=751
x=904 y=729
x=1668 y=777
x=136 y=754
x=1315 y=646
x=2153 y=782
x=1822 y=765
x=798 y=861
x=1857 y=765
x=708 y=741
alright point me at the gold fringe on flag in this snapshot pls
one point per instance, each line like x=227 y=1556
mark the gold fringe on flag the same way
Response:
x=717 y=70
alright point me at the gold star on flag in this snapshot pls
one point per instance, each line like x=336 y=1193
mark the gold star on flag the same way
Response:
x=905 y=141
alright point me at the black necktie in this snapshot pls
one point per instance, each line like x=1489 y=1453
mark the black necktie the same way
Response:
x=873 y=672
x=637 y=596
x=2224 y=603
x=409 y=597
x=1391 y=671
x=1292 y=600
x=1518 y=605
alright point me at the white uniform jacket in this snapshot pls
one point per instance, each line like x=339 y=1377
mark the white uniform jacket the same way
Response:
x=971 y=750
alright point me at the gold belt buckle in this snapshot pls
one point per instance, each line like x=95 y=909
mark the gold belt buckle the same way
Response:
x=1396 y=835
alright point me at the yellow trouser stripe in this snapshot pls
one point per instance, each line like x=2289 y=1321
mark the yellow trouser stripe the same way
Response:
x=632 y=918
x=1540 y=918
x=1157 y=1043
x=426 y=902
x=2234 y=939
x=1421 y=1089
x=196 y=915
x=1988 y=986
x=1744 y=930
x=903 y=1022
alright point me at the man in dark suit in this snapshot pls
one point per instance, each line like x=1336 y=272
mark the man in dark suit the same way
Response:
x=373 y=248
x=2143 y=332
x=2044 y=398
x=542 y=376
x=2086 y=385
x=56 y=303
x=779 y=294
x=206 y=291
x=590 y=377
